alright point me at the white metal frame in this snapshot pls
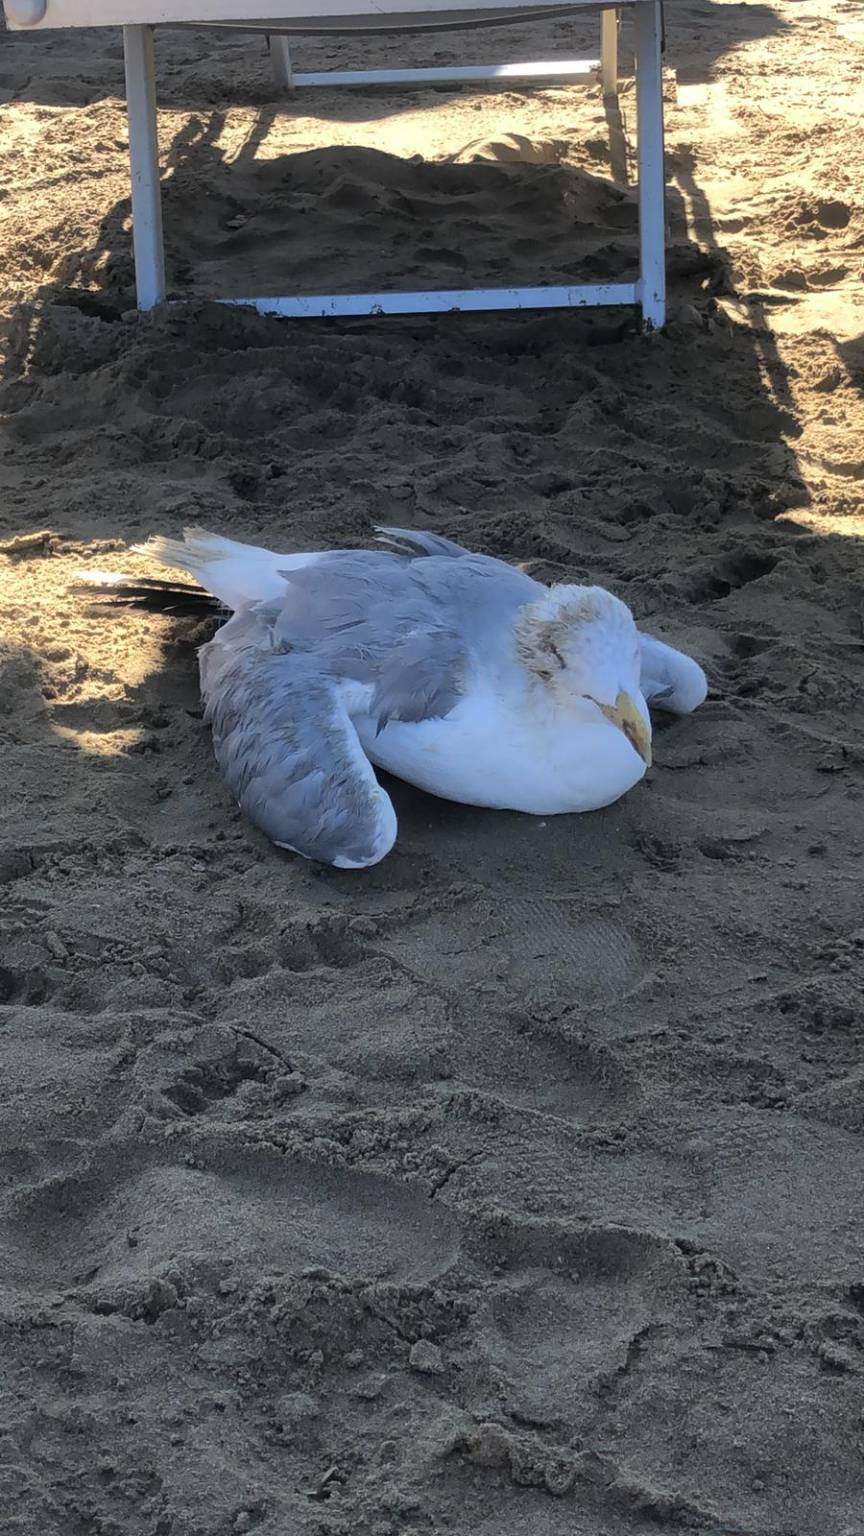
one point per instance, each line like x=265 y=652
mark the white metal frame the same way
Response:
x=648 y=292
x=554 y=71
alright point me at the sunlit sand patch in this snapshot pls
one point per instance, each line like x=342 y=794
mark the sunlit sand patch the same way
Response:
x=102 y=743
x=712 y=99
x=839 y=311
x=849 y=526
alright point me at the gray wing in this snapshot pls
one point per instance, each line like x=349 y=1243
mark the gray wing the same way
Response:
x=418 y=544
x=410 y=629
x=288 y=750
x=670 y=680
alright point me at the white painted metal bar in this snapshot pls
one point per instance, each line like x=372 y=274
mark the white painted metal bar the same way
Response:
x=553 y=69
x=443 y=301
x=37 y=14
x=609 y=52
x=147 y=237
x=424 y=23
x=652 y=185
x=280 y=62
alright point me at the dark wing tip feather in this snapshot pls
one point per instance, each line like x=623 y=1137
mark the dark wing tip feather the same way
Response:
x=152 y=596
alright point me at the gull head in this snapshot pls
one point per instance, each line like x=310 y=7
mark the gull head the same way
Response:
x=582 y=645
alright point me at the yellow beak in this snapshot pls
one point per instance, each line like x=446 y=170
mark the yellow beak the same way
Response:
x=629 y=719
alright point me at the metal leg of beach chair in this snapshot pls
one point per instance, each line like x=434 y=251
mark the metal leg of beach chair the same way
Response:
x=609 y=52
x=652 y=189
x=280 y=62
x=144 y=161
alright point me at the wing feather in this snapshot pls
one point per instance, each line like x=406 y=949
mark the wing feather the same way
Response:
x=671 y=680
x=288 y=749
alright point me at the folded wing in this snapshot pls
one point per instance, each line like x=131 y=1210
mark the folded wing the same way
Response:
x=413 y=631
x=288 y=750
x=671 y=680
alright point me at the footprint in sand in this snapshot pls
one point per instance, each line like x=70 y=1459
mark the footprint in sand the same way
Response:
x=126 y=1221
x=523 y=949
x=558 y=1336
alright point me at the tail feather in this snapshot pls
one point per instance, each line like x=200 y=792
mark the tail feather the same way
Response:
x=110 y=590
x=197 y=549
x=235 y=573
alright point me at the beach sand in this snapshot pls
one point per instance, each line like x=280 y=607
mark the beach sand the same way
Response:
x=514 y=1185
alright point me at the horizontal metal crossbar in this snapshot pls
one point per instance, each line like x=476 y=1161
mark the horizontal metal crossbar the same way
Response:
x=381 y=25
x=443 y=301
x=553 y=69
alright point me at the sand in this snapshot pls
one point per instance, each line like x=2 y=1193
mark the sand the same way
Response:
x=515 y=1185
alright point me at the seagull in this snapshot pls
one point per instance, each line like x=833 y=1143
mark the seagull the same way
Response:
x=454 y=671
